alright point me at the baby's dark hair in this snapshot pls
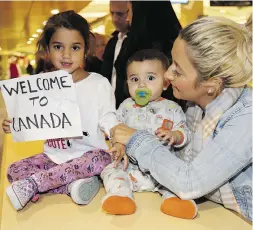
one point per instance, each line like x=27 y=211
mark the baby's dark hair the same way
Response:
x=149 y=55
x=69 y=20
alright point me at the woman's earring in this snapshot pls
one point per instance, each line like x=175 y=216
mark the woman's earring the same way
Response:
x=210 y=91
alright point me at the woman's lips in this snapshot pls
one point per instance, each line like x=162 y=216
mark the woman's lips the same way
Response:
x=174 y=87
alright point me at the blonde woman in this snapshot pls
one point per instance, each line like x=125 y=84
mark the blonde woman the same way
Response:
x=211 y=67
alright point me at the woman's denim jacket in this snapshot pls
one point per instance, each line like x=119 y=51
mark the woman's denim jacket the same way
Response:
x=228 y=158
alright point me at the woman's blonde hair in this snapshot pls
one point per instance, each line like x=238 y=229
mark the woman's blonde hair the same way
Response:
x=219 y=47
x=248 y=24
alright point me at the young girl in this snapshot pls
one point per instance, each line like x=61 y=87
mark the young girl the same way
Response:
x=65 y=39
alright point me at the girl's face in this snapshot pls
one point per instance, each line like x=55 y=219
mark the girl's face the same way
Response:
x=66 y=50
x=183 y=75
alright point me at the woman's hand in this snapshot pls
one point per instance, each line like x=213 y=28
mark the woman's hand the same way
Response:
x=121 y=133
x=6 y=125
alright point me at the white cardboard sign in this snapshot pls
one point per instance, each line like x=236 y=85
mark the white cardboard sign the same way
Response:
x=42 y=106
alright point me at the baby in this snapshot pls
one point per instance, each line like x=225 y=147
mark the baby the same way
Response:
x=147 y=110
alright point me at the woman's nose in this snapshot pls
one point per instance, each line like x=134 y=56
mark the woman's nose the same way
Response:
x=169 y=75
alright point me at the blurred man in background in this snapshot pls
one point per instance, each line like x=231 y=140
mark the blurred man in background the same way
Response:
x=121 y=13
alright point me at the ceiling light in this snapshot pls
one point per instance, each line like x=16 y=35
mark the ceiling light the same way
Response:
x=29 y=42
x=31 y=39
x=101 y=2
x=179 y=1
x=242 y=21
x=55 y=11
x=100 y=29
x=0 y=48
x=44 y=23
x=94 y=14
x=39 y=30
x=223 y=11
x=35 y=35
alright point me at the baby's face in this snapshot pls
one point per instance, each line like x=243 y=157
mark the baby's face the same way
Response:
x=147 y=74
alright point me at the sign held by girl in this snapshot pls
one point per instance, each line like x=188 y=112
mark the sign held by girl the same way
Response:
x=42 y=106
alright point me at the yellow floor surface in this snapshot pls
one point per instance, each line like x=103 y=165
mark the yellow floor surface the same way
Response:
x=58 y=212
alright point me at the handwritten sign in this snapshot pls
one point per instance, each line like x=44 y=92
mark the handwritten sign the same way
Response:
x=42 y=106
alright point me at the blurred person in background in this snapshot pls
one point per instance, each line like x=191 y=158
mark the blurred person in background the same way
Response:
x=92 y=62
x=14 y=69
x=101 y=41
x=92 y=47
x=121 y=13
x=29 y=68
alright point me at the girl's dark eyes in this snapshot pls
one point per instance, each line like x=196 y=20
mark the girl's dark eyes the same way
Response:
x=76 y=48
x=134 y=79
x=57 y=47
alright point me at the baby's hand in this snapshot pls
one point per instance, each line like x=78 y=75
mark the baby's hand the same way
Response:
x=6 y=125
x=173 y=137
x=118 y=152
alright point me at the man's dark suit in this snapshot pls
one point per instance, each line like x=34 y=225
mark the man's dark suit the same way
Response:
x=121 y=92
